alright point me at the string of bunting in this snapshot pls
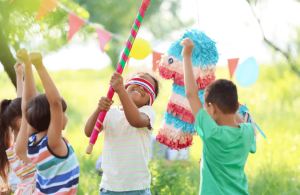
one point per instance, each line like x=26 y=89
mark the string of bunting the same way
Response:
x=75 y=24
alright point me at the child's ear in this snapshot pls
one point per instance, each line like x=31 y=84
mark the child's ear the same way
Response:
x=213 y=108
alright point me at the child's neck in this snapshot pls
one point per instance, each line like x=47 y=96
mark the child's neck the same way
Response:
x=227 y=120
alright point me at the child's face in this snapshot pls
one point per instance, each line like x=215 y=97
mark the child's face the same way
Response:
x=65 y=120
x=138 y=94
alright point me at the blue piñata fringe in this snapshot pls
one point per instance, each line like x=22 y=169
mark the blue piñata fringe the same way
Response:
x=205 y=50
x=179 y=124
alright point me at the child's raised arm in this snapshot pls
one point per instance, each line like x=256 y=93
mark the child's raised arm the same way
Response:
x=19 y=73
x=104 y=104
x=191 y=89
x=29 y=91
x=55 y=140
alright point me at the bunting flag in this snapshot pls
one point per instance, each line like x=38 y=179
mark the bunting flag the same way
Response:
x=11 y=1
x=46 y=7
x=103 y=37
x=75 y=24
x=156 y=57
x=232 y=64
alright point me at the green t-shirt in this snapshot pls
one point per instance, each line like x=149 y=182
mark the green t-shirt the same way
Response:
x=224 y=155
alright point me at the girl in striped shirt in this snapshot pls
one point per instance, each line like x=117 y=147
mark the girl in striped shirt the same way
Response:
x=24 y=174
x=55 y=160
x=128 y=130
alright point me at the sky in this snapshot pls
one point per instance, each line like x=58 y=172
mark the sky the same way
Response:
x=230 y=23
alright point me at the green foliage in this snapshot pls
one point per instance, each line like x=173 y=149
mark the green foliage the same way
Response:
x=274 y=102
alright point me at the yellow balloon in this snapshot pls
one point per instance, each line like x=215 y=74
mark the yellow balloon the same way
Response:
x=140 y=49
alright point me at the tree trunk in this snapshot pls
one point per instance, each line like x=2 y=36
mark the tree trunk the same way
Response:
x=6 y=57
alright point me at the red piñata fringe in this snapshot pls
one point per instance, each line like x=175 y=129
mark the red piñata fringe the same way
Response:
x=173 y=144
x=185 y=115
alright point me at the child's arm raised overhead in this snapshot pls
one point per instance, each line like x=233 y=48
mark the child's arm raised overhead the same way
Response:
x=29 y=91
x=191 y=89
x=19 y=73
x=103 y=105
x=55 y=141
x=132 y=113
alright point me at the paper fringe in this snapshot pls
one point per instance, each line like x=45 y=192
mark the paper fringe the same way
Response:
x=179 y=111
x=174 y=71
x=179 y=124
x=173 y=138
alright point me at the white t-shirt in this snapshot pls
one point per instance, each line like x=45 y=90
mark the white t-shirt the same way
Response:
x=125 y=155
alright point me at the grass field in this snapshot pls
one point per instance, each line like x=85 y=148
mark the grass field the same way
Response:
x=274 y=101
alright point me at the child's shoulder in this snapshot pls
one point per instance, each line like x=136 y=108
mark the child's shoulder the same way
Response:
x=247 y=128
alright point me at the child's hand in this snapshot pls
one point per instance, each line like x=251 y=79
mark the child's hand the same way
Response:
x=116 y=82
x=104 y=104
x=36 y=59
x=19 y=68
x=188 y=46
x=22 y=54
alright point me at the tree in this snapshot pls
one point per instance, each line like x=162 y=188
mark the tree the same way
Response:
x=18 y=27
x=292 y=60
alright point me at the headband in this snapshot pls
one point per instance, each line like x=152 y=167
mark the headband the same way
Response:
x=145 y=84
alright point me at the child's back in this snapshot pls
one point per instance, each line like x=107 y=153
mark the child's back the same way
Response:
x=227 y=141
x=225 y=152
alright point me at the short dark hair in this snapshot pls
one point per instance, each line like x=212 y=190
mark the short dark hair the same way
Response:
x=38 y=112
x=149 y=73
x=222 y=93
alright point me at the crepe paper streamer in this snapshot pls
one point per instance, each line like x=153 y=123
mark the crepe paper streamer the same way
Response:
x=75 y=24
x=232 y=64
x=177 y=128
x=121 y=65
x=46 y=7
x=156 y=56
x=247 y=72
x=243 y=110
x=103 y=38
x=140 y=49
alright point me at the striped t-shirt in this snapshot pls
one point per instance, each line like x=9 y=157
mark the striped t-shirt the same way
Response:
x=26 y=172
x=125 y=155
x=55 y=174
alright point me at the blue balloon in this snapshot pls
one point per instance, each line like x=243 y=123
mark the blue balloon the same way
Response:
x=247 y=72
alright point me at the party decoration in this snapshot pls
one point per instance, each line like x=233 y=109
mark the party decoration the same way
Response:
x=103 y=37
x=247 y=72
x=232 y=64
x=75 y=24
x=255 y=2
x=125 y=55
x=46 y=7
x=177 y=128
x=11 y=1
x=141 y=49
x=247 y=117
x=156 y=56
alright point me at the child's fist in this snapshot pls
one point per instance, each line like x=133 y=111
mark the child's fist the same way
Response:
x=104 y=104
x=188 y=46
x=36 y=59
x=22 y=54
x=18 y=68
x=116 y=82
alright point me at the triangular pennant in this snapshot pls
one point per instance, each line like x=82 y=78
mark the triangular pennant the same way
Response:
x=103 y=37
x=75 y=24
x=156 y=57
x=232 y=64
x=46 y=7
x=11 y=1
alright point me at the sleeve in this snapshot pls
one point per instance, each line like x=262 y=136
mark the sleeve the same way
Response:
x=13 y=159
x=205 y=125
x=150 y=112
x=105 y=122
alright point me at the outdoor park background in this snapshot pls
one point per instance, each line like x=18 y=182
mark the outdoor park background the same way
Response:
x=274 y=100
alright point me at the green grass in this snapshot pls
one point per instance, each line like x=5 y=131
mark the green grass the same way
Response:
x=274 y=101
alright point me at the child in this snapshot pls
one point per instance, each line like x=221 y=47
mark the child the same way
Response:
x=127 y=129
x=23 y=176
x=226 y=143
x=55 y=160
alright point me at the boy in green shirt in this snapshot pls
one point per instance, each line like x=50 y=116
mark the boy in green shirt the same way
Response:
x=227 y=141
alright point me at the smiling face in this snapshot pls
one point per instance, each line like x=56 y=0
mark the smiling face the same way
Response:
x=138 y=94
